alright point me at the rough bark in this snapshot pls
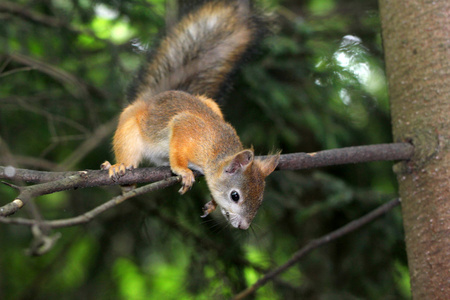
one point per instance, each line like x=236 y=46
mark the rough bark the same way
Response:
x=416 y=37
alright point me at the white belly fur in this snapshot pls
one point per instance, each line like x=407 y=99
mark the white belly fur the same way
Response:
x=158 y=154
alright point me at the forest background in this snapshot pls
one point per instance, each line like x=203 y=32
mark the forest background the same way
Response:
x=315 y=82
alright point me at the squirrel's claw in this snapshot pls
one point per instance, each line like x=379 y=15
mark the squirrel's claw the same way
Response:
x=187 y=180
x=115 y=171
x=209 y=208
x=105 y=166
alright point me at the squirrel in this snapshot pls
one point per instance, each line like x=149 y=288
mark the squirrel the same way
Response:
x=173 y=119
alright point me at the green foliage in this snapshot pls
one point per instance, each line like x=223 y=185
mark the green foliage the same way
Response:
x=131 y=283
x=316 y=83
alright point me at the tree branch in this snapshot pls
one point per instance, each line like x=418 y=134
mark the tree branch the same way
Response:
x=358 y=154
x=161 y=177
x=88 y=216
x=349 y=228
x=23 y=12
x=58 y=181
x=293 y=161
x=45 y=20
x=80 y=89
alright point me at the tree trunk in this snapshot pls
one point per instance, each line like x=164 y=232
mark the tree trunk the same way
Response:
x=416 y=36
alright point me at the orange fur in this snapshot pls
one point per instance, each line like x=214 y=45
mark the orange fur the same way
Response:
x=128 y=144
x=211 y=104
x=169 y=126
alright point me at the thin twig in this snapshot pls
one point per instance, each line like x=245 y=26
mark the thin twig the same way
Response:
x=50 y=116
x=88 y=145
x=35 y=162
x=80 y=89
x=42 y=19
x=15 y=71
x=346 y=229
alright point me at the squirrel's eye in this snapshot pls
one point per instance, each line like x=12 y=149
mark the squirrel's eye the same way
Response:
x=234 y=196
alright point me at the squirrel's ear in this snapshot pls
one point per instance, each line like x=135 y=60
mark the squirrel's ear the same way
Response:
x=240 y=160
x=269 y=164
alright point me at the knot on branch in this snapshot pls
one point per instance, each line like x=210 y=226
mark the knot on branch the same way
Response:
x=11 y=208
x=426 y=144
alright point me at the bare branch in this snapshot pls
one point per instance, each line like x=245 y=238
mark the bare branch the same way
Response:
x=349 y=228
x=29 y=192
x=349 y=155
x=88 y=216
x=50 y=182
x=93 y=177
x=293 y=161
x=80 y=90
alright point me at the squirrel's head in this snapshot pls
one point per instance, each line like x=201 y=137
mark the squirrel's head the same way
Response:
x=240 y=186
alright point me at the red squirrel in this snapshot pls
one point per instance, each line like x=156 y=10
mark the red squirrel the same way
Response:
x=174 y=121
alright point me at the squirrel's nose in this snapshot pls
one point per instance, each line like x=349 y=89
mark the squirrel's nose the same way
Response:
x=243 y=225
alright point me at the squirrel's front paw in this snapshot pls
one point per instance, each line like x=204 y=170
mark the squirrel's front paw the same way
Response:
x=115 y=171
x=209 y=208
x=187 y=180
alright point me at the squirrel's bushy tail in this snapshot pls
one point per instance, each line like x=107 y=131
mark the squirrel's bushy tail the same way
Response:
x=200 y=51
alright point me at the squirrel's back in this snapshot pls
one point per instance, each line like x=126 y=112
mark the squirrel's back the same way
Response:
x=200 y=52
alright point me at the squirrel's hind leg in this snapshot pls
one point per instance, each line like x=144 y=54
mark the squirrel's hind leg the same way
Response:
x=128 y=144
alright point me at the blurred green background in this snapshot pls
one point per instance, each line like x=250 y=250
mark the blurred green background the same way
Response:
x=315 y=82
